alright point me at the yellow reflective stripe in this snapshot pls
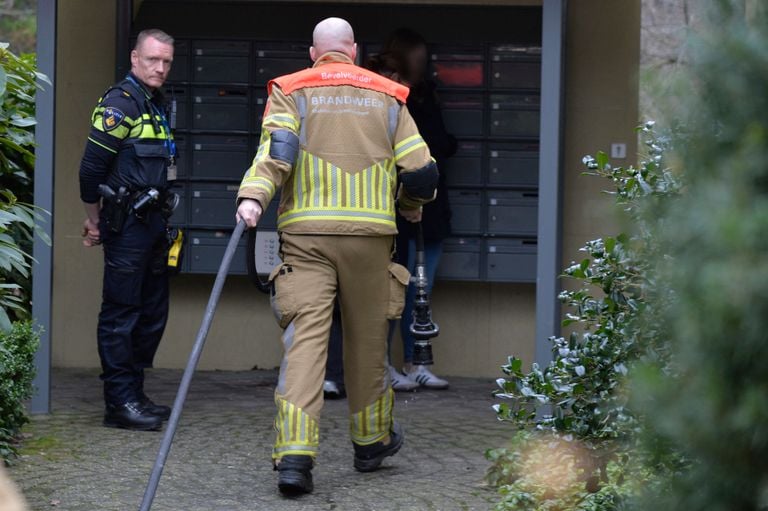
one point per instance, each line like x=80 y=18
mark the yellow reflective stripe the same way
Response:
x=322 y=193
x=297 y=432
x=261 y=154
x=99 y=111
x=293 y=217
x=102 y=145
x=284 y=222
x=261 y=186
x=372 y=423
x=120 y=132
x=409 y=149
x=347 y=199
x=282 y=120
x=407 y=141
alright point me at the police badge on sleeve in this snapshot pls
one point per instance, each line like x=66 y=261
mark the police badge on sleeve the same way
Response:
x=112 y=118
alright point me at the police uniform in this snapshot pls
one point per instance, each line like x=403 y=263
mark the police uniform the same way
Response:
x=334 y=138
x=130 y=149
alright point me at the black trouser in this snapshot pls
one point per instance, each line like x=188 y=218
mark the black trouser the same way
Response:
x=334 y=368
x=134 y=306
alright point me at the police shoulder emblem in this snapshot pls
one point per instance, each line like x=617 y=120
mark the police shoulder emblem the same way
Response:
x=112 y=118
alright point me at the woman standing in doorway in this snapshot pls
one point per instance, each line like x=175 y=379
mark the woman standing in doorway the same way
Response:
x=424 y=107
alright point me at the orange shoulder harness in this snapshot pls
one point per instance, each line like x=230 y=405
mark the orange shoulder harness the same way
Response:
x=339 y=73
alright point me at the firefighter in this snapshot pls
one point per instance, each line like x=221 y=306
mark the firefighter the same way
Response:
x=124 y=180
x=334 y=138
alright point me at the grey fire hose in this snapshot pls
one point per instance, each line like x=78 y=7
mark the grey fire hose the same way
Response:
x=186 y=379
x=422 y=328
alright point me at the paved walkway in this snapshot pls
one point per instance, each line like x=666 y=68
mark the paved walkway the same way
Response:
x=220 y=458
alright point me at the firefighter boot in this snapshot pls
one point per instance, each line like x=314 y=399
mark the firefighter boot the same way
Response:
x=369 y=457
x=295 y=475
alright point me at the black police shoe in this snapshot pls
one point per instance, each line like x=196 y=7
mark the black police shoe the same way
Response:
x=369 y=457
x=295 y=475
x=162 y=411
x=131 y=416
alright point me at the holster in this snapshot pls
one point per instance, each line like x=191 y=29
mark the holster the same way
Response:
x=115 y=215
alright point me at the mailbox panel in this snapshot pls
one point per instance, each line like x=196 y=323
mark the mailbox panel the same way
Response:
x=513 y=212
x=220 y=108
x=461 y=259
x=465 y=168
x=467 y=211
x=205 y=249
x=221 y=61
x=220 y=156
x=511 y=260
x=515 y=115
x=458 y=67
x=463 y=113
x=513 y=165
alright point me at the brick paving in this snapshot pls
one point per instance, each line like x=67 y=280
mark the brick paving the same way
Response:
x=220 y=457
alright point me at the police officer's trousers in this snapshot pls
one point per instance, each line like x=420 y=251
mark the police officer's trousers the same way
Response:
x=134 y=306
x=370 y=289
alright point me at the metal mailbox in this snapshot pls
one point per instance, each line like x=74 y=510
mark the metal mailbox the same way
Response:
x=183 y=155
x=220 y=156
x=206 y=249
x=513 y=212
x=460 y=259
x=179 y=216
x=515 y=115
x=513 y=165
x=221 y=61
x=458 y=67
x=516 y=67
x=273 y=60
x=259 y=104
x=180 y=68
x=465 y=168
x=212 y=205
x=180 y=95
x=220 y=108
x=463 y=113
x=511 y=260
x=467 y=211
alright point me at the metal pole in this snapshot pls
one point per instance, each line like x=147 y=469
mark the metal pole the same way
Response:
x=549 y=264
x=186 y=379
x=42 y=269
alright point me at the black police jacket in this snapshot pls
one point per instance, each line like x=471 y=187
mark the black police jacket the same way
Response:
x=130 y=143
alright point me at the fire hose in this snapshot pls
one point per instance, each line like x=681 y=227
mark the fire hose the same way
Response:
x=194 y=358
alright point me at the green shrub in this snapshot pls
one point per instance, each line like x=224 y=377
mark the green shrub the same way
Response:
x=17 y=369
x=713 y=405
x=18 y=225
x=577 y=408
x=18 y=219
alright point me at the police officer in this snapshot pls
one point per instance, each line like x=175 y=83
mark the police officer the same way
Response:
x=335 y=137
x=124 y=179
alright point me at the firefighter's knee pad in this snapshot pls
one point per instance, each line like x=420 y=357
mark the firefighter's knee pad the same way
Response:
x=421 y=183
x=284 y=146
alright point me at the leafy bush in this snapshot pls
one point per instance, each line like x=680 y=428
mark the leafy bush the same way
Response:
x=713 y=406
x=578 y=406
x=17 y=369
x=18 y=224
x=17 y=160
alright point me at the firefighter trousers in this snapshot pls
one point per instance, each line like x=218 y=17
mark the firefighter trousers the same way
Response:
x=371 y=289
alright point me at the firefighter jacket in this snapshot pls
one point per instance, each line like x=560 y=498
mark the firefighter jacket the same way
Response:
x=334 y=138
